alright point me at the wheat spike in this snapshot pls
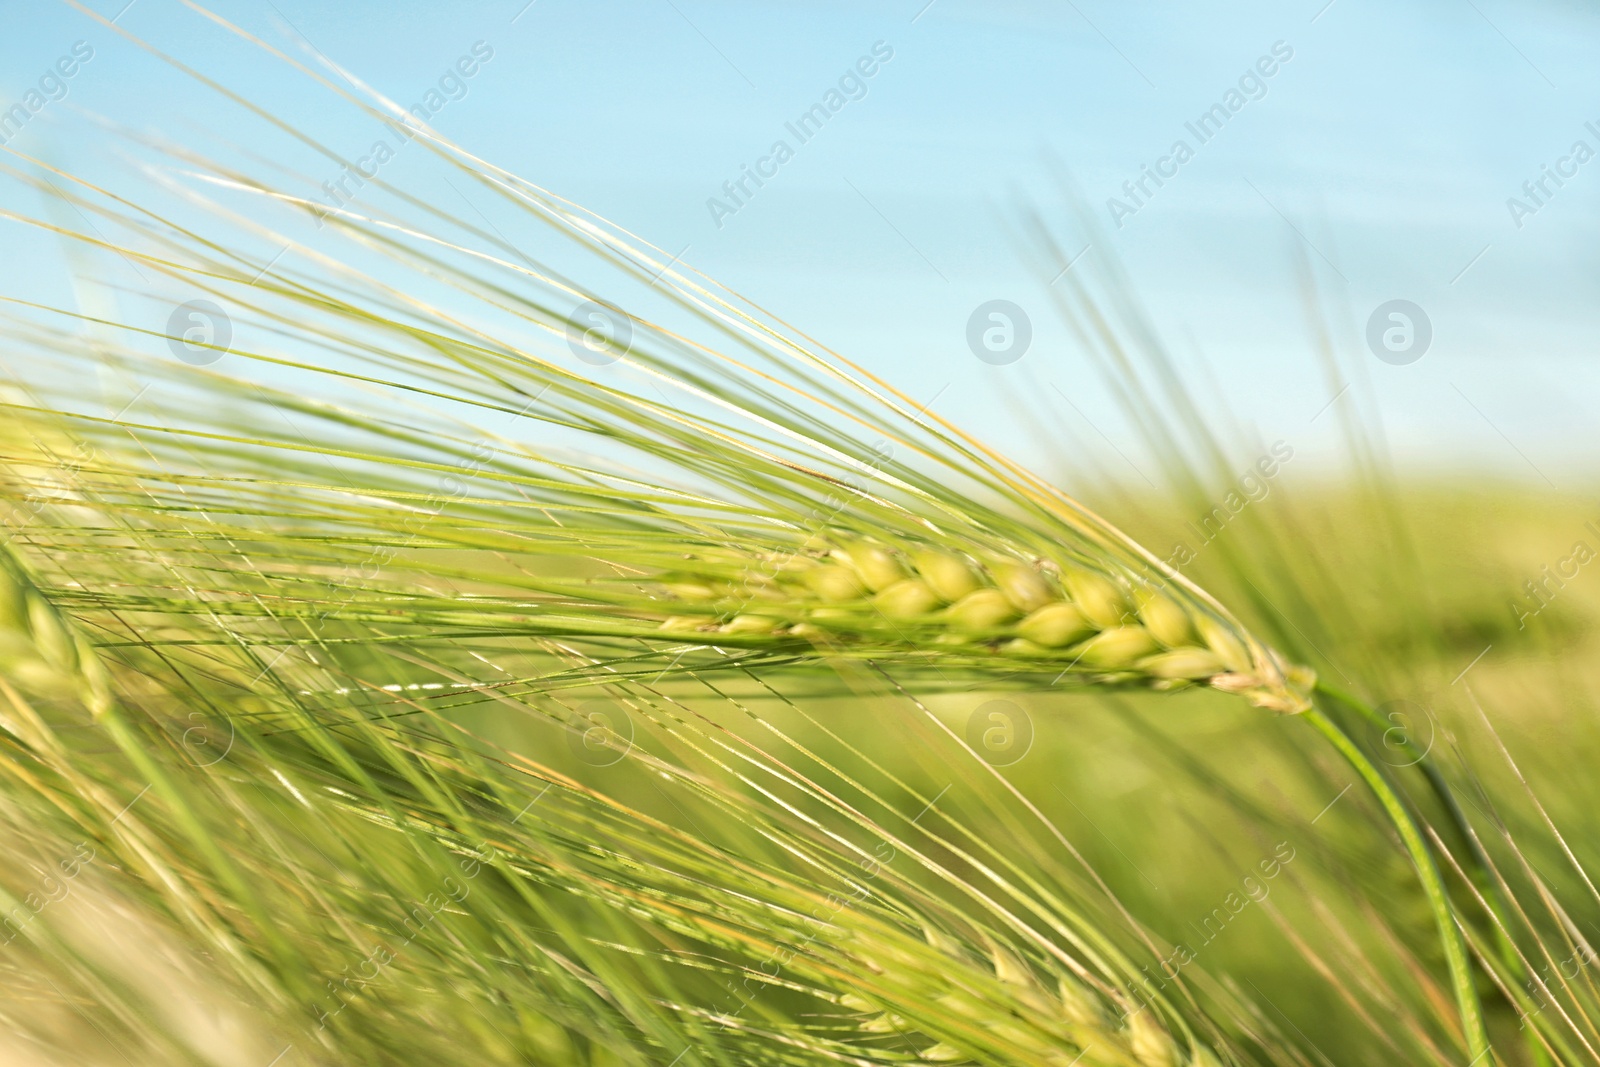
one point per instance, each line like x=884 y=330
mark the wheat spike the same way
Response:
x=1038 y=1027
x=1085 y=623
x=40 y=650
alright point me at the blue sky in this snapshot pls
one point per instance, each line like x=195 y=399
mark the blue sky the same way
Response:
x=1383 y=153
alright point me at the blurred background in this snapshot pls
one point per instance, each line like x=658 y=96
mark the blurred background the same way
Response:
x=1379 y=158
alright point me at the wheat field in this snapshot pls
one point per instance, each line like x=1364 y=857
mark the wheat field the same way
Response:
x=415 y=673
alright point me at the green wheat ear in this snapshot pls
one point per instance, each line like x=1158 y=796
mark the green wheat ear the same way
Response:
x=41 y=652
x=1084 y=620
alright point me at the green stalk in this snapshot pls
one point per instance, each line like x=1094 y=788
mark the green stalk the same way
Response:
x=1478 y=869
x=1455 y=948
x=1441 y=789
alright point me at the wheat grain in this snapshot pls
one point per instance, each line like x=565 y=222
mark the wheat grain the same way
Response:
x=41 y=651
x=1039 y=1026
x=1080 y=621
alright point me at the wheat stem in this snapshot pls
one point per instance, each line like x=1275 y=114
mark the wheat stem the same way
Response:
x=1455 y=949
x=1479 y=869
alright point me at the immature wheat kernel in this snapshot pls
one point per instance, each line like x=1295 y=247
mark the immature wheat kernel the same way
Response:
x=1117 y=648
x=50 y=636
x=1019 y=646
x=878 y=567
x=986 y=609
x=1055 y=625
x=949 y=576
x=885 y=1023
x=1022 y=585
x=1149 y=1042
x=1079 y=1007
x=855 y=1003
x=835 y=583
x=1227 y=647
x=1191 y=663
x=1165 y=620
x=908 y=599
x=750 y=624
x=1096 y=596
x=691 y=589
x=39 y=648
x=1009 y=969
